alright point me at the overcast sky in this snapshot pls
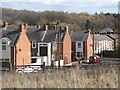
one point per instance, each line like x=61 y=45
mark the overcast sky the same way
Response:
x=76 y=6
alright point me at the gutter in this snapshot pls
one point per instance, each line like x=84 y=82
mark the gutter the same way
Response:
x=15 y=57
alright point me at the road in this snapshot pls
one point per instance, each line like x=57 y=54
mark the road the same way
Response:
x=110 y=61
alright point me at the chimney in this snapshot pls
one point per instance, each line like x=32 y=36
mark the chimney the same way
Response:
x=38 y=26
x=22 y=27
x=55 y=27
x=66 y=28
x=46 y=27
x=26 y=26
x=5 y=25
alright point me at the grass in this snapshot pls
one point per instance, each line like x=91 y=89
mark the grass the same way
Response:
x=104 y=76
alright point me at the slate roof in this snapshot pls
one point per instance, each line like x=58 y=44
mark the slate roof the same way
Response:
x=50 y=36
x=35 y=36
x=79 y=36
x=45 y=36
x=13 y=35
x=101 y=37
x=106 y=30
x=114 y=36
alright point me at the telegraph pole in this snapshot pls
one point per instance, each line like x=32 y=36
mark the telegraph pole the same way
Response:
x=93 y=37
x=58 y=42
x=59 y=37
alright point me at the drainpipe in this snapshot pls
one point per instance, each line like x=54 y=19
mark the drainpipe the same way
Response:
x=15 y=57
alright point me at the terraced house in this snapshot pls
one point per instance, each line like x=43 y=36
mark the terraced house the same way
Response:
x=28 y=45
x=45 y=43
x=15 y=46
x=82 y=45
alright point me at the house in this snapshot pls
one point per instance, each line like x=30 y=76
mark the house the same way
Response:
x=103 y=42
x=15 y=46
x=45 y=44
x=81 y=45
x=106 y=39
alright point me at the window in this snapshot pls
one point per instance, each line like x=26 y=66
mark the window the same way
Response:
x=79 y=54
x=3 y=45
x=79 y=45
x=33 y=44
x=5 y=60
x=33 y=60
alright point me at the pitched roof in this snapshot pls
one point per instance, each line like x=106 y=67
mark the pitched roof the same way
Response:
x=50 y=36
x=79 y=36
x=13 y=35
x=101 y=37
x=35 y=35
x=45 y=36
x=106 y=30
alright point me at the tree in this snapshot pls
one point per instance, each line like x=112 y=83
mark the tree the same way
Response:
x=87 y=24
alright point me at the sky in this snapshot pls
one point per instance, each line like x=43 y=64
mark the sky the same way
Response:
x=76 y=6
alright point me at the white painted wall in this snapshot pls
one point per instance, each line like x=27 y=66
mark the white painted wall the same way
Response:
x=46 y=59
x=104 y=45
x=79 y=49
x=5 y=54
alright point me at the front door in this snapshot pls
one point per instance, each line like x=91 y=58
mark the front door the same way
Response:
x=43 y=51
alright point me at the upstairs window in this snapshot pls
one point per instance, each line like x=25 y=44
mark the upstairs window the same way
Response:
x=33 y=44
x=79 y=45
x=4 y=46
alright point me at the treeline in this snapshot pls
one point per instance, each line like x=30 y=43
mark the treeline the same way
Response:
x=76 y=21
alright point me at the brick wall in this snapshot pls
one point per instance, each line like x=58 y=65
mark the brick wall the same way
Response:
x=67 y=48
x=23 y=50
x=89 y=47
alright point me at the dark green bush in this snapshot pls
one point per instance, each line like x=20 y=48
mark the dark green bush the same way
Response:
x=110 y=54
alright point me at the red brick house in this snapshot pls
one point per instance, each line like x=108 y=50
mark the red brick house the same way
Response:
x=81 y=45
x=19 y=46
x=44 y=45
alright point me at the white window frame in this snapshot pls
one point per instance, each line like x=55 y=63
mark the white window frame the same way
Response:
x=5 y=43
x=80 y=45
x=33 y=42
x=80 y=53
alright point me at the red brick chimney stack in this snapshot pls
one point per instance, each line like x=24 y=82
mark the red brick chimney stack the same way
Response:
x=38 y=26
x=55 y=27
x=26 y=26
x=66 y=28
x=46 y=27
x=22 y=27
x=5 y=25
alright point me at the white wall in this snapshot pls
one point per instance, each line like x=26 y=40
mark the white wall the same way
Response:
x=46 y=59
x=5 y=54
x=104 y=45
x=49 y=55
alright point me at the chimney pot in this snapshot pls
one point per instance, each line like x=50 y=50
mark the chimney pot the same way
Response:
x=26 y=26
x=55 y=27
x=66 y=28
x=5 y=25
x=38 y=26
x=22 y=27
x=46 y=27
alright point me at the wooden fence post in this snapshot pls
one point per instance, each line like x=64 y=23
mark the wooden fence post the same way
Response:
x=43 y=66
